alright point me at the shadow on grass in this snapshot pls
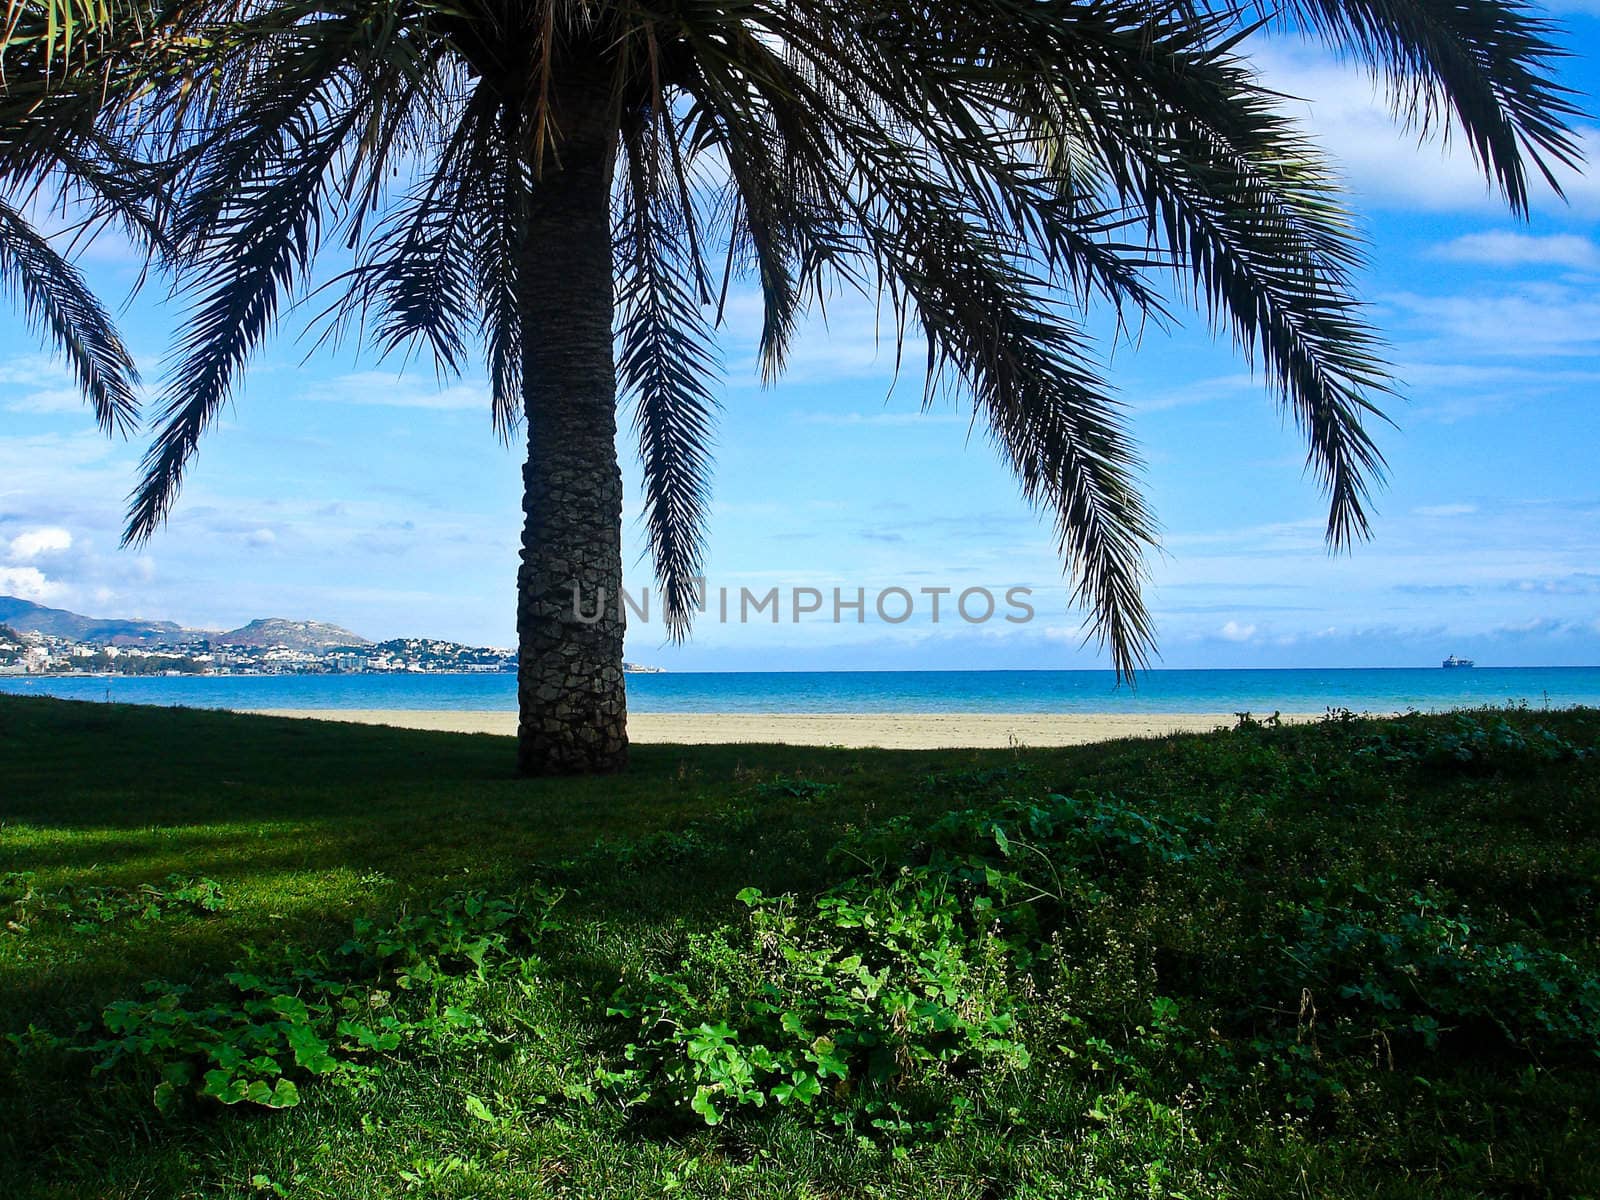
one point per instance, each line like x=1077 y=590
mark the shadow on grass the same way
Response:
x=307 y=824
x=72 y=764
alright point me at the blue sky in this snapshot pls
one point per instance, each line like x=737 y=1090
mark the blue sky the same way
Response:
x=341 y=489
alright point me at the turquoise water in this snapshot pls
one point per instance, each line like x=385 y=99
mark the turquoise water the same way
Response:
x=1261 y=692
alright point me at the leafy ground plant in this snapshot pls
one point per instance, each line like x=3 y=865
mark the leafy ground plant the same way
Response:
x=84 y=907
x=872 y=998
x=313 y=1015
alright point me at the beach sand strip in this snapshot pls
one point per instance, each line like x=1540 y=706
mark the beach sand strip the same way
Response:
x=890 y=731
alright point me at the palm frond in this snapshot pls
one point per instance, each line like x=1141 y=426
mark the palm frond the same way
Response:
x=1150 y=109
x=51 y=38
x=667 y=362
x=499 y=178
x=258 y=242
x=1486 y=65
x=58 y=303
x=1031 y=373
x=416 y=274
x=256 y=201
x=1250 y=214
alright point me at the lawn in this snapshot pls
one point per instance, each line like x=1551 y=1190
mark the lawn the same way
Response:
x=243 y=956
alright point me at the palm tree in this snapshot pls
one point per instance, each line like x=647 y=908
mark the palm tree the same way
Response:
x=571 y=185
x=53 y=148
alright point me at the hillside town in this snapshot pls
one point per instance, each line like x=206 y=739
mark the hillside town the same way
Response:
x=42 y=654
x=35 y=640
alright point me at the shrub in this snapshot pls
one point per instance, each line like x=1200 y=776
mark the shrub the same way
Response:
x=877 y=997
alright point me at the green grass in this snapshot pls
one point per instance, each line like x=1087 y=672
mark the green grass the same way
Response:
x=1349 y=959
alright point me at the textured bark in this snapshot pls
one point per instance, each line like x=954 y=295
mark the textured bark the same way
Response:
x=569 y=669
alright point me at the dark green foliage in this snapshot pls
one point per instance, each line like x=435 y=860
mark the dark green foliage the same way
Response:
x=868 y=1001
x=1415 y=965
x=313 y=1014
x=1471 y=743
x=83 y=907
x=1341 y=955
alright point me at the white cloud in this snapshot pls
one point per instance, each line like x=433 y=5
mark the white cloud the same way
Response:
x=262 y=538
x=51 y=539
x=402 y=391
x=28 y=583
x=1449 y=393
x=1444 y=510
x=1579 y=583
x=54 y=400
x=1382 y=162
x=1497 y=379
x=59 y=464
x=1233 y=631
x=854 y=338
x=884 y=418
x=34 y=370
x=1270 y=541
x=1499 y=248
x=100 y=242
x=1237 y=386
x=1533 y=319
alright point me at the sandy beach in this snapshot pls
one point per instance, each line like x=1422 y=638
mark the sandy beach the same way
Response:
x=892 y=731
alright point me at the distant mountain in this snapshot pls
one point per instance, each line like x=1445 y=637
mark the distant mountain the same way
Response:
x=27 y=617
x=292 y=635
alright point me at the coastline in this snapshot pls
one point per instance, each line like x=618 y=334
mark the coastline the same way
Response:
x=889 y=731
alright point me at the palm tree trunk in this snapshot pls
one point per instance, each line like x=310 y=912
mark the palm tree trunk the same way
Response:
x=573 y=708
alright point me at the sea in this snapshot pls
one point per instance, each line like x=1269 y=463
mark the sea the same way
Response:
x=1262 y=692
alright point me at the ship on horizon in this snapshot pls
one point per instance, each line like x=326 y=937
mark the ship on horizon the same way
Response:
x=1453 y=662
